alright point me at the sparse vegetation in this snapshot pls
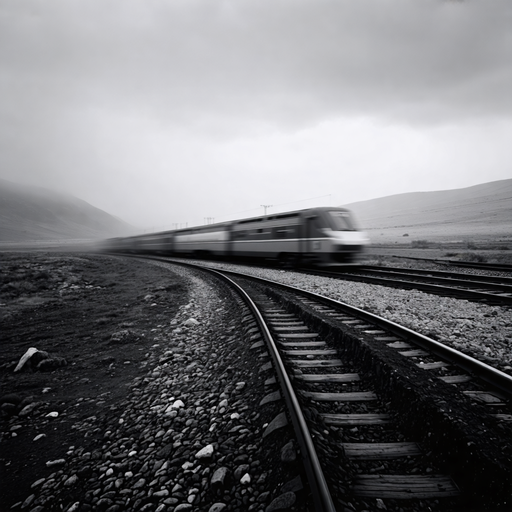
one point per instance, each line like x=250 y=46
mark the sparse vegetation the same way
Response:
x=474 y=257
x=420 y=244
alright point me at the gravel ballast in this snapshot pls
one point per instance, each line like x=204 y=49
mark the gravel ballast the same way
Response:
x=479 y=330
x=190 y=434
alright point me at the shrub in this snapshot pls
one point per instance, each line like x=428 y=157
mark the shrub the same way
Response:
x=420 y=244
x=475 y=258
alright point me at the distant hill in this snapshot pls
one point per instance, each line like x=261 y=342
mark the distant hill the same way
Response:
x=482 y=211
x=34 y=214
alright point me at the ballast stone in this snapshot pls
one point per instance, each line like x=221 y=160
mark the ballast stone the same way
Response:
x=205 y=453
x=217 y=507
x=219 y=478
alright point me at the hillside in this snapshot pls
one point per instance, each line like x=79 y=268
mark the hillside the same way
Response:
x=36 y=214
x=480 y=212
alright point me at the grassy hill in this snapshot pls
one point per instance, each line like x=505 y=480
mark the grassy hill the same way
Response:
x=482 y=212
x=38 y=214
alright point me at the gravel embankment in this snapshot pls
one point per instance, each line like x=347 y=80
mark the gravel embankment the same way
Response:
x=481 y=331
x=192 y=434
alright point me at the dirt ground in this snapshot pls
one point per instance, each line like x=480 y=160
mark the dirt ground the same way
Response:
x=93 y=316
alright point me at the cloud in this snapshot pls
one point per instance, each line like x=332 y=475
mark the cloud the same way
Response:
x=158 y=109
x=278 y=62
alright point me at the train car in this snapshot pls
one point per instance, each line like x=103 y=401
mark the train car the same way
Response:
x=158 y=243
x=203 y=242
x=318 y=236
x=314 y=236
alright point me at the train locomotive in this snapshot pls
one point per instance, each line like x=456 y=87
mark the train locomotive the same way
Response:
x=321 y=236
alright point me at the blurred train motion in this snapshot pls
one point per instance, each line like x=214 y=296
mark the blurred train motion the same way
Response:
x=314 y=236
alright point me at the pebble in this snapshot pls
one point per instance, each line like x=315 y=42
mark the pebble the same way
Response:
x=190 y=434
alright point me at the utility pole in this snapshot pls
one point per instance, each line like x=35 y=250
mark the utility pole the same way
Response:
x=265 y=206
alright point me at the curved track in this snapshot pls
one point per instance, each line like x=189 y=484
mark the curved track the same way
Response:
x=343 y=370
x=492 y=290
x=498 y=267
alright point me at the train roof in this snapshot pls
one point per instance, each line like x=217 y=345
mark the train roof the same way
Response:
x=229 y=223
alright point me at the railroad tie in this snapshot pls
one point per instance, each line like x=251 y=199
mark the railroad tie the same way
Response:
x=290 y=344
x=405 y=486
x=455 y=379
x=316 y=352
x=327 y=377
x=380 y=451
x=358 y=396
x=399 y=344
x=318 y=363
x=299 y=335
x=432 y=366
x=346 y=420
x=414 y=353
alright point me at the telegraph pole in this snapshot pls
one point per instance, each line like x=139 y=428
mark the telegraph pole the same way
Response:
x=265 y=206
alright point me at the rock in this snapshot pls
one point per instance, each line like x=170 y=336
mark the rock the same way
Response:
x=178 y=404
x=29 y=408
x=56 y=462
x=28 y=501
x=288 y=453
x=120 y=336
x=71 y=480
x=205 y=453
x=51 y=363
x=25 y=358
x=246 y=479
x=183 y=507
x=220 y=478
x=191 y=322
x=164 y=452
x=381 y=505
x=282 y=502
x=241 y=470
x=217 y=507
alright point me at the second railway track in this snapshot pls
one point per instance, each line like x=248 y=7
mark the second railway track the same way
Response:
x=491 y=290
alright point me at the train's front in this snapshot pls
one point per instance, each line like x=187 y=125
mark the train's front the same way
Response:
x=348 y=242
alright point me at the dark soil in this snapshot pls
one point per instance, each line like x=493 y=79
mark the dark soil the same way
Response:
x=96 y=313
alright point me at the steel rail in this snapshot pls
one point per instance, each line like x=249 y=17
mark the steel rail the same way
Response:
x=494 y=377
x=503 y=267
x=448 y=275
x=320 y=491
x=415 y=285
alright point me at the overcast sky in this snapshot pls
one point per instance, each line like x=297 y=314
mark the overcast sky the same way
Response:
x=170 y=111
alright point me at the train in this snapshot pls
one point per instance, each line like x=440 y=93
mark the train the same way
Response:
x=322 y=236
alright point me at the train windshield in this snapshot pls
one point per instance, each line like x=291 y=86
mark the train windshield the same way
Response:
x=342 y=221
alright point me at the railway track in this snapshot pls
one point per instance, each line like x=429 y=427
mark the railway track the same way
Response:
x=503 y=267
x=369 y=400
x=488 y=289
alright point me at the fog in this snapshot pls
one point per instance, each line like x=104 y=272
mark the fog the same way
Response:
x=166 y=113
